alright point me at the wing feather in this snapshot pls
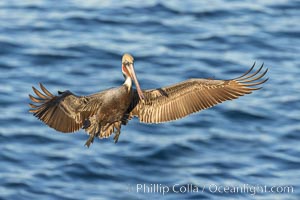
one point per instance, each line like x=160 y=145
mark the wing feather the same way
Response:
x=65 y=112
x=181 y=99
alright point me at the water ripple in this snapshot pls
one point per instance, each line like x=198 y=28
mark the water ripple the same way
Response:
x=76 y=46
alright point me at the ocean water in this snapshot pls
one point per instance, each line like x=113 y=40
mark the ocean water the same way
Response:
x=243 y=149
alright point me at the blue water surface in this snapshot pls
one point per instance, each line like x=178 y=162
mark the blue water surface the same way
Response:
x=249 y=143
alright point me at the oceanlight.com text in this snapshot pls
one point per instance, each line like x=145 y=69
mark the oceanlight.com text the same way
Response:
x=157 y=188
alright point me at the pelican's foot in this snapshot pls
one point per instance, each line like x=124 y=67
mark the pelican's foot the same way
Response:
x=90 y=141
x=116 y=138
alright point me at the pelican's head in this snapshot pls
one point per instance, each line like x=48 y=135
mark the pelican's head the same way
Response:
x=128 y=71
x=127 y=58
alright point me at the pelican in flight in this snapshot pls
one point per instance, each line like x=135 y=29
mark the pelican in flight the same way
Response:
x=103 y=113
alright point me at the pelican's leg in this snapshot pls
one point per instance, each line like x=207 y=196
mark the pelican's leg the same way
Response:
x=92 y=127
x=93 y=134
x=117 y=133
x=90 y=140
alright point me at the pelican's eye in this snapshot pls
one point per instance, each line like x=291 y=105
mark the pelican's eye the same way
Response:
x=127 y=63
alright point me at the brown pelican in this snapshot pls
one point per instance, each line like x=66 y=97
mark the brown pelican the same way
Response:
x=103 y=113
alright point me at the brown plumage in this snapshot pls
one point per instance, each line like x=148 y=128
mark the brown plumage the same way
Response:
x=181 y=99
x=103 y=113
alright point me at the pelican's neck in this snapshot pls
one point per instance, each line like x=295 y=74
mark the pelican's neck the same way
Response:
x=128 y=82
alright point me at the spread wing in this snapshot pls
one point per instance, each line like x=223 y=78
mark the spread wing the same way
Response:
x=179 y=100
x=65 y=112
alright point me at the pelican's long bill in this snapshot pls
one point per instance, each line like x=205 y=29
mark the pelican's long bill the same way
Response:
x=131 y=71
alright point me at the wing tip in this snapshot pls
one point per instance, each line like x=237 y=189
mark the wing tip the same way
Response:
x=253 y=79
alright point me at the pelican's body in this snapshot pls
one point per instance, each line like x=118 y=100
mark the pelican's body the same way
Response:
x=114 y=104
x=103 y=113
